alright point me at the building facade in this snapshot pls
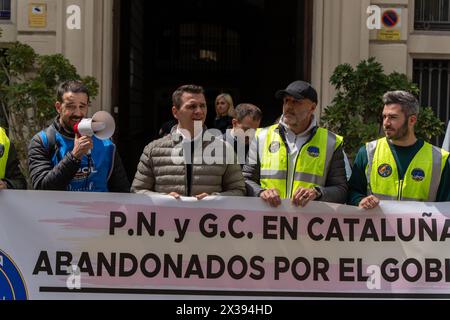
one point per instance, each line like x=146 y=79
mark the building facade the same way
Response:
x=140 y=52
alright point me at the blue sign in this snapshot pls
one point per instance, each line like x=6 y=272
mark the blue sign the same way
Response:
x=12 y=285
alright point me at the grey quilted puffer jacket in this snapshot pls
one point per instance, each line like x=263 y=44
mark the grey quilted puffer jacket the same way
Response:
x=162 y=170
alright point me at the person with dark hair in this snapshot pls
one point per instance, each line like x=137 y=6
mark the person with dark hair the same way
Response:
x=171 y=165
x=60 y=160
x=247 y=118
x=399 y=166
x=295 y=158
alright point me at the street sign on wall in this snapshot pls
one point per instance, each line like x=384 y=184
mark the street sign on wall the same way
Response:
x=37 y=15
x=390 y=24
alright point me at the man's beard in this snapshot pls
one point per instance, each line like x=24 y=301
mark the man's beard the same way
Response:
x=400 y=133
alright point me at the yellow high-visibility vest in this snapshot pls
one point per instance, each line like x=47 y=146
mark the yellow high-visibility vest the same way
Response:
x=421 y=180
x=4 y=141
x=312 y=164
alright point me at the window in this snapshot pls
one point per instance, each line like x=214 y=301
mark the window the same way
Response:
x=433 y=79
x=432 y=15
x=5 y=9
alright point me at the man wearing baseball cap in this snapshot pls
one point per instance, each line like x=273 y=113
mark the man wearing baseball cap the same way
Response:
x=296 y=159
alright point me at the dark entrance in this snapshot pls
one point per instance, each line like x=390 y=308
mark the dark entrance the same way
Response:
x=249 y=49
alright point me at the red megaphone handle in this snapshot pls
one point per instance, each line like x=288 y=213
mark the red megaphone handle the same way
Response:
x=75 y=129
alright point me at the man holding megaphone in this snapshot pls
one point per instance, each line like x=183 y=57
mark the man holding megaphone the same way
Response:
x=76 y=153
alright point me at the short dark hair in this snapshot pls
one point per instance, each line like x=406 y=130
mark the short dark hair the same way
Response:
x=408 y=102
x=190 y=88
x=247 y=109
x=73 y=86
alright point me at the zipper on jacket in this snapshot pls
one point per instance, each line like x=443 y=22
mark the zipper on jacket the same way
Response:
x=293 y=173
x=400 y=191
x=281 y=132
x=287 y=178
x=186 y=180
x=288 y=151
x=192 y=180
x=187 y=185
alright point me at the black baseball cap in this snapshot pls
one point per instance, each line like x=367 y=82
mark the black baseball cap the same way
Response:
x=299 y=90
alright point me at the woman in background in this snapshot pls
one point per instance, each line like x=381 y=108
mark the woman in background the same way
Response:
x=224 y=112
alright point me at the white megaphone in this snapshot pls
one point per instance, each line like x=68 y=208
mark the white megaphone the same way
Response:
x=101 y=125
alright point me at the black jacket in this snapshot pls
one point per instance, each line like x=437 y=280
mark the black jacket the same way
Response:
x=13 y=176
x=241 y=158
x=45 y=176
x=223 y=123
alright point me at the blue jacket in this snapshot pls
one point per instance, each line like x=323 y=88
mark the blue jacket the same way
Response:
x=53 y=167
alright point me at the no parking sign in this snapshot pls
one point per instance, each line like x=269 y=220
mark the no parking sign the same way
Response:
x=391 y=24
x=390 y=18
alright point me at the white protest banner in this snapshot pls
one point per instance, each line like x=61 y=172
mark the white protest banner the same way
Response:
x=113 y=246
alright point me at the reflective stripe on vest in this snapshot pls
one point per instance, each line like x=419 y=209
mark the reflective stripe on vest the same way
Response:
x=5 y=143
x=312 y=165
x=421 y=180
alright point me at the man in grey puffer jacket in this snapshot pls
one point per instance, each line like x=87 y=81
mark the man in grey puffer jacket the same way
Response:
x=175 y=165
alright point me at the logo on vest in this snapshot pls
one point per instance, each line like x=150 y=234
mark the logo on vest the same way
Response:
x=12 y=285
x=385 y=170
x=313 y=152
x=274 y=147
x=85 y=172
x=418 y=175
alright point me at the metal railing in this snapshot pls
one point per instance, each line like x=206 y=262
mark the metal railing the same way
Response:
x=432 y=15
x=433 y=79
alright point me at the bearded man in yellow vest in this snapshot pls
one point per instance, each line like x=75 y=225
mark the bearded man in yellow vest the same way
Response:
x=399 y=166
x=10 y=175
x=295 y=159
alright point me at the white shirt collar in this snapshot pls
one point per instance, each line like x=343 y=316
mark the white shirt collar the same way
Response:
x=302 y=134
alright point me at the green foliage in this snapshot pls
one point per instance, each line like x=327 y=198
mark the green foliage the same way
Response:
x=355 y=112
x=28 y=84
x=428 y=125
